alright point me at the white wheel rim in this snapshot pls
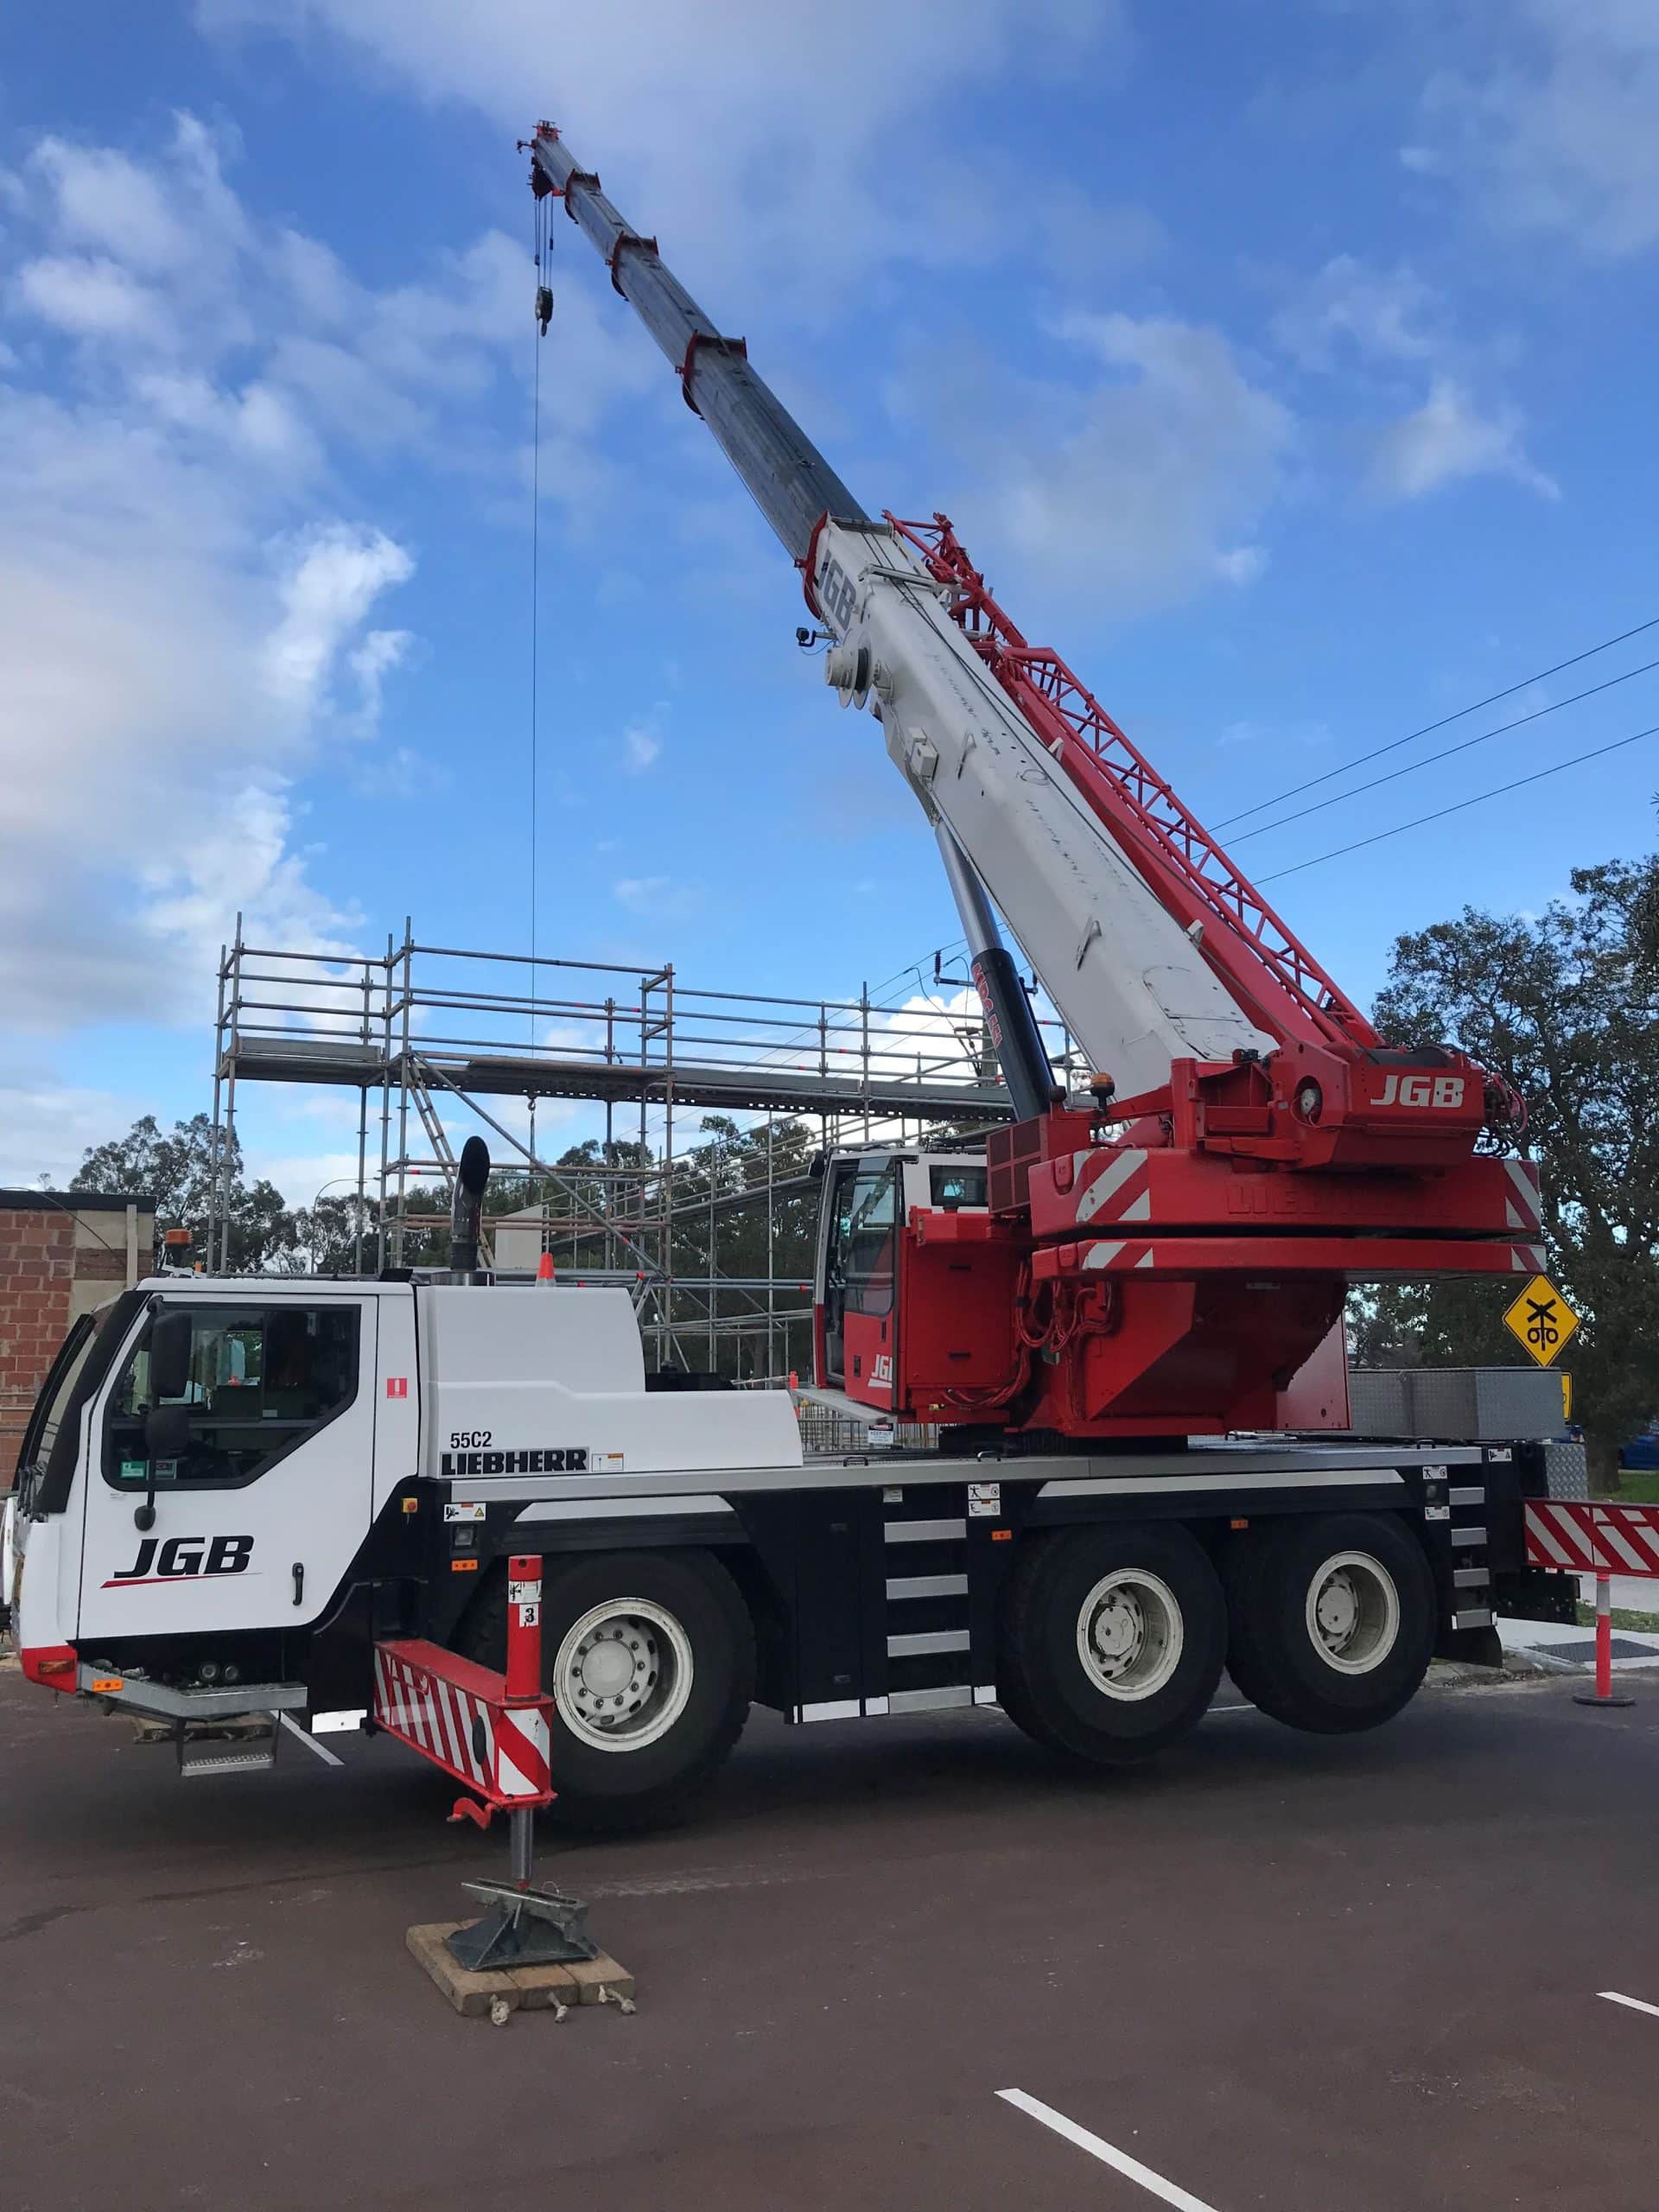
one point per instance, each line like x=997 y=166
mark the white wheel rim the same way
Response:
x=1353 y=1613
x=1130 y=1635
x=622 y=1675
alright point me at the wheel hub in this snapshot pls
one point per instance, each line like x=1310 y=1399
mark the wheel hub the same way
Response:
x=1130 y=1635
x=1353 y=1613
x=1119 y=1632
x=1338 y=1609
x=616 y=1666
x=622 y=1675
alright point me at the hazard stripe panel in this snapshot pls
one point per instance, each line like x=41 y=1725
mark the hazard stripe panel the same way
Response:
x=1580 y=1537
x=454 y=1713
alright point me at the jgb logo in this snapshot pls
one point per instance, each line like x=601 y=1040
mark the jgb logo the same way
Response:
x=1422 y=1091
x=882 y=1371
x=185 y=1559
x=837 y=594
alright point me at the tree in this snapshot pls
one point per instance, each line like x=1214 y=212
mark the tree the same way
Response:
x=1566 y=1005
x=179 y=1173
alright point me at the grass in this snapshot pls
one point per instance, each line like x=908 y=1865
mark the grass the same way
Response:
x=1642 y=1624
x=1638 y=1487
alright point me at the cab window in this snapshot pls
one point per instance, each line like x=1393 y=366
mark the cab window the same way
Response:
x=952 y=1188
x=257 y=1381
x=867 y=1246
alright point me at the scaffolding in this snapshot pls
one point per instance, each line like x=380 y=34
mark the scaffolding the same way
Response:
x=438 y=1041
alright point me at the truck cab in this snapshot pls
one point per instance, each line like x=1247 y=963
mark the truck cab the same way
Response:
x=894 y=1229
x=246 y=1479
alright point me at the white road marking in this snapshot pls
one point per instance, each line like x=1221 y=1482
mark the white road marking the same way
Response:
x=1182 y=2200
x=1635 y=2003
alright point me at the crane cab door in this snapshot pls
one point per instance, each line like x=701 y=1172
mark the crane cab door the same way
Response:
x=266 y=1496
x=858 y=1269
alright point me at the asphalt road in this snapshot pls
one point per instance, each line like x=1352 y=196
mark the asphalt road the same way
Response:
x=1352 y=1976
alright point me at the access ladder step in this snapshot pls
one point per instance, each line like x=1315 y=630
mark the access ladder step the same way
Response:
x=244 y=1760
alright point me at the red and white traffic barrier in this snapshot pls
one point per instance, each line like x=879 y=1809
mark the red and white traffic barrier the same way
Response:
x=1586 y=1536
x=492 y=1731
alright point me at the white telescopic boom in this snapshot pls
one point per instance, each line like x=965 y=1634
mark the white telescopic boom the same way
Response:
x=1133 y=988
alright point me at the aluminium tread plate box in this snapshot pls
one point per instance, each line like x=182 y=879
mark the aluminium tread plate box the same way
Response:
x=1462 y=1404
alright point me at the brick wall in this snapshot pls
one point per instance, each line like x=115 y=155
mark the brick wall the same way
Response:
x=55 y=1264
x=37 y=1272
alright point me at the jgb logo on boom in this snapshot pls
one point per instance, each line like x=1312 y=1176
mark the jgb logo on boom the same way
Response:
x=184 y=1559
x=837 y=593
x=1422 y=1091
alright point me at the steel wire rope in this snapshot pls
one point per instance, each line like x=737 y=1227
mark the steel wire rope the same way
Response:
x=1428 y=728
x=1461 y=805
x=1446 y=753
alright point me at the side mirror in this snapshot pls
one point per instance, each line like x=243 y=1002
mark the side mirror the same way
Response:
x=167 y=1436
x=169 y=1356
x=167 y=1433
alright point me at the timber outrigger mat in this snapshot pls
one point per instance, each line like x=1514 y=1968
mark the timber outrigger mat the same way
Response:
x=555 y=1989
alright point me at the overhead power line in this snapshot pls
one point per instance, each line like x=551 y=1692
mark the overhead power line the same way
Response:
x=1479 y=799
x=1428 y=728
x=1445 y=754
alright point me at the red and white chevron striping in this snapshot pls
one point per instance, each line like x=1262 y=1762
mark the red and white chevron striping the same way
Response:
x=1522 y=1209
x=448 y=1723
x=1584 y=1537
x=1115 y=1186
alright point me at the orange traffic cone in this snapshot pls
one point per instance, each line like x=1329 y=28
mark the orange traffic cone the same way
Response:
x=544 y=1273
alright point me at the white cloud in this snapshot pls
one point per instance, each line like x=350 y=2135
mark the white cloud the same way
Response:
x=163 y=223
x=187 y=600
x=1242 y=564
x=400 y=773
x=642 y=740
x=90 y=296
x=371 y=664
x=333 y=576
x=46 y=1125
x=1130 y=486
x=1351 y=307
x=1387 y=337
x=1559 y=130
x=795 y=128
x=662 y=897
x=1446 y=441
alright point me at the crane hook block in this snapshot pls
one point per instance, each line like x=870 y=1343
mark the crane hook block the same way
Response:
x=544 y=306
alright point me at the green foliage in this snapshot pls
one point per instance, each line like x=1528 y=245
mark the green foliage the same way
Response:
x=178 y=1171
x=1564 y=1005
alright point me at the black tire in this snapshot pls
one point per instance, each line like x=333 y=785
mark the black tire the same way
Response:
x=1045 y=1684
x=1287 y=1669
x=635 y=1787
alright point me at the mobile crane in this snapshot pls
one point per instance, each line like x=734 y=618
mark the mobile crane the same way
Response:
x=1125 y=1318
x=1165 y=1257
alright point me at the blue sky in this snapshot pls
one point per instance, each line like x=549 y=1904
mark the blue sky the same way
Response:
x=1287 y=364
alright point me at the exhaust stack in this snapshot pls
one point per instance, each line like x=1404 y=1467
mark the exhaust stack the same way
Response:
x=466 y=1209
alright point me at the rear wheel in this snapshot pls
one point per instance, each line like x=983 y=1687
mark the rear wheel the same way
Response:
x=1331 y=1622
x=1112 y=1641
x=650 y=1658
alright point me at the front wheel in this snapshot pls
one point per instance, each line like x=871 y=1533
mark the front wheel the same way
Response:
x=1112 y=1641
x=1331 y=1623
x=650 y=1660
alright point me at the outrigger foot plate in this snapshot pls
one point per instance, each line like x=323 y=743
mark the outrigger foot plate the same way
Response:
x=525 y=1927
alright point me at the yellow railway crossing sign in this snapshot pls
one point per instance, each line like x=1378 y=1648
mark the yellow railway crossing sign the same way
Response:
x=1542 y=1321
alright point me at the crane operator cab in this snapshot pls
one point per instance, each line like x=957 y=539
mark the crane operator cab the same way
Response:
x=889 y=1223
